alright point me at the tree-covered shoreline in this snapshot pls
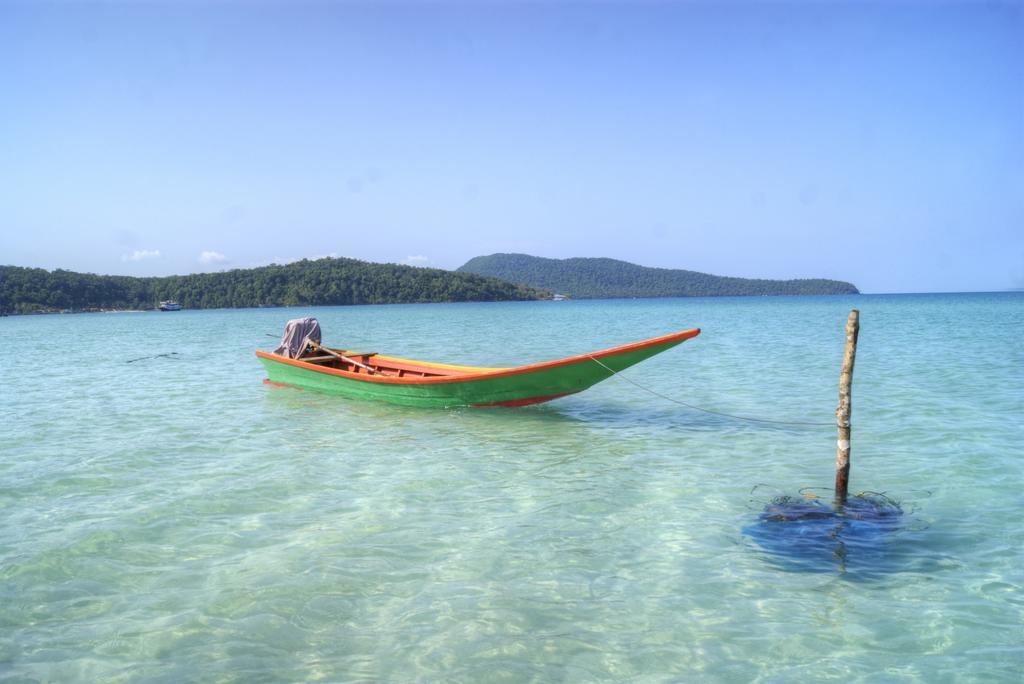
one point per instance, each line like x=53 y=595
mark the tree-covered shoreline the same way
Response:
x=602 y=278
x=322 y=282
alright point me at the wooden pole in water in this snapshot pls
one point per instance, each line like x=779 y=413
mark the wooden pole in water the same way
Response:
x=845 y=405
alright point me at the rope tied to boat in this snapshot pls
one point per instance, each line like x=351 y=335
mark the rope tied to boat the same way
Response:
x=704 y=410
x=169 y=355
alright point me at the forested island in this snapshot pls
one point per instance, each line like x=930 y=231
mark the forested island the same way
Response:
x=340 y=281
x=596 y=278
x=325 y=281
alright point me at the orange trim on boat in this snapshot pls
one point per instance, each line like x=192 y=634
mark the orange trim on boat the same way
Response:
x=489 y=373
x=428 y=364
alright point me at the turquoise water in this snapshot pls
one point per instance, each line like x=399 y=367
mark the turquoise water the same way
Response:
x=175 y=519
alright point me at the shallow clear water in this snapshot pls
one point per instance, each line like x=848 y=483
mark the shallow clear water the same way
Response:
x=175 y=519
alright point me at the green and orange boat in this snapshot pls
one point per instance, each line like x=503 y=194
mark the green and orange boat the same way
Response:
x=368 y=375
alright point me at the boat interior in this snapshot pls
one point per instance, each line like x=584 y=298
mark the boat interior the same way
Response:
x=370 y=363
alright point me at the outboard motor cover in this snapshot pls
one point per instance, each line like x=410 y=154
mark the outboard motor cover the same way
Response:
x=297 y=334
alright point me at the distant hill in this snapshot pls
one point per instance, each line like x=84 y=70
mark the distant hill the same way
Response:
x=319 y=282
x=588 y=278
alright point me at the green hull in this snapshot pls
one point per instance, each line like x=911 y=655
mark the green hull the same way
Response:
x=511 y=387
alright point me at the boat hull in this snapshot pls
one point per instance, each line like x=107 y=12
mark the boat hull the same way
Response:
x=520 y=386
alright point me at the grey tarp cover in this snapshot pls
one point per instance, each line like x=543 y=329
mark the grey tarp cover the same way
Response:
x=297 y=334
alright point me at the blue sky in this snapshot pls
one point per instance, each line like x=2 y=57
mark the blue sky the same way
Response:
x=879 y=143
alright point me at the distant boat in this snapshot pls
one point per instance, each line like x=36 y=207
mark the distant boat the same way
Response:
x=368 y=375
x=170 y=305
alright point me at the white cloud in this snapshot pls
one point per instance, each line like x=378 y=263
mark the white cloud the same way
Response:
x=211 y=257
x=140 y=254
x=415 y=260
x=284 y=261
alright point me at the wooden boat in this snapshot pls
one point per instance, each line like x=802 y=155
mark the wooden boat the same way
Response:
x=368 y=375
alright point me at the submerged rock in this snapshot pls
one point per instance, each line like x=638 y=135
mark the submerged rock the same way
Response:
x=809 y=535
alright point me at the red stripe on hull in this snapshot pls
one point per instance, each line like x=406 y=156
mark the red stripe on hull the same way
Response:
x=525 y=402
x=267 y=381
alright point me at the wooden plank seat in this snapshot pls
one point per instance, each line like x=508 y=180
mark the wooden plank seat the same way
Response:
x=358 y=355
x=362 y=357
